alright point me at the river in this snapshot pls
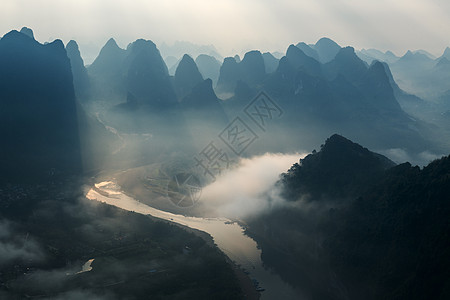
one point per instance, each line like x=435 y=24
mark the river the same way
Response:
x=229 y=237
x=87 y=266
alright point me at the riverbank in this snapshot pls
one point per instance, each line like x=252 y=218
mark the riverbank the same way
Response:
x=126 y=202
x=136 y=256
x=228 y=235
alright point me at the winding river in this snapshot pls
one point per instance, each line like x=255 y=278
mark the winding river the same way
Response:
x=228 y=236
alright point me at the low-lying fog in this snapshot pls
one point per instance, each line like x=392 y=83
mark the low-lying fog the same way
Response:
x=248 y=188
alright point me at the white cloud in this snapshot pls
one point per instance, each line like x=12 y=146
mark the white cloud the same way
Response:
x=13 y=246
x=248 y=189
x=400 y=156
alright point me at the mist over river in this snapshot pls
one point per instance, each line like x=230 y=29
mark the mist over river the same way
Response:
x=229 y=237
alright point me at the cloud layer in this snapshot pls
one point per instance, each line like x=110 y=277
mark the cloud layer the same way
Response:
x=14 y=246
x=248 y=189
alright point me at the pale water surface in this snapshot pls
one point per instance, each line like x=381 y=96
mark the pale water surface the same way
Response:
x=228 y=236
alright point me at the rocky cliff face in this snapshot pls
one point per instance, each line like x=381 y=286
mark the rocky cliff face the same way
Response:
x=38 y=112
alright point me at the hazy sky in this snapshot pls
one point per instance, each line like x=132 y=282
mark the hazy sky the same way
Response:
x=236 y=25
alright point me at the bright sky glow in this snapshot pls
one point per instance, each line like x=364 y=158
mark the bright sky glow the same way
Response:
x=235 y=26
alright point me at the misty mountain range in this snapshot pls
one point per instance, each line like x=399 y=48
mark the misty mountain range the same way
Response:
x=39 y=119
x=238 y=81
x=321 y=88
x=345 y=222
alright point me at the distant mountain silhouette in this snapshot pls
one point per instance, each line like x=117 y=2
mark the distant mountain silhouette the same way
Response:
x=202 y=100
x=324 y=50
x=347 y=63
x=229 y=75
x=27 y=31
x=81 y=80
x=139 y=70
x=409 y=103
x=179 y=48
x=277 y=54
x=38 y=112
x=442 y=63
x=446 y=53
x=377 y=86
x=344 y=94
x=270 y=62
x=335 y=91
x=426 y=53
x=187 y=76
x=439 y=75
x=414 y=61
x=209 y=67
x=369 y=55
x=147 y=75
x=110 y=58
x=308 y=50
x=173 y=67
x=419 y=74
x=327 y=49
x=170 y=63
x=300 y=61
x=251 y=70
x=144 y=100
x=107 y=71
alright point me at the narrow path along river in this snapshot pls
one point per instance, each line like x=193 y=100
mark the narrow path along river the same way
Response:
x=228 y=236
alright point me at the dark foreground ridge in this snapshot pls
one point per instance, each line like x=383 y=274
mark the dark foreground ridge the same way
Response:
x=384 y=240
x=38 y=115
x=340 y=169
x=50 y=232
